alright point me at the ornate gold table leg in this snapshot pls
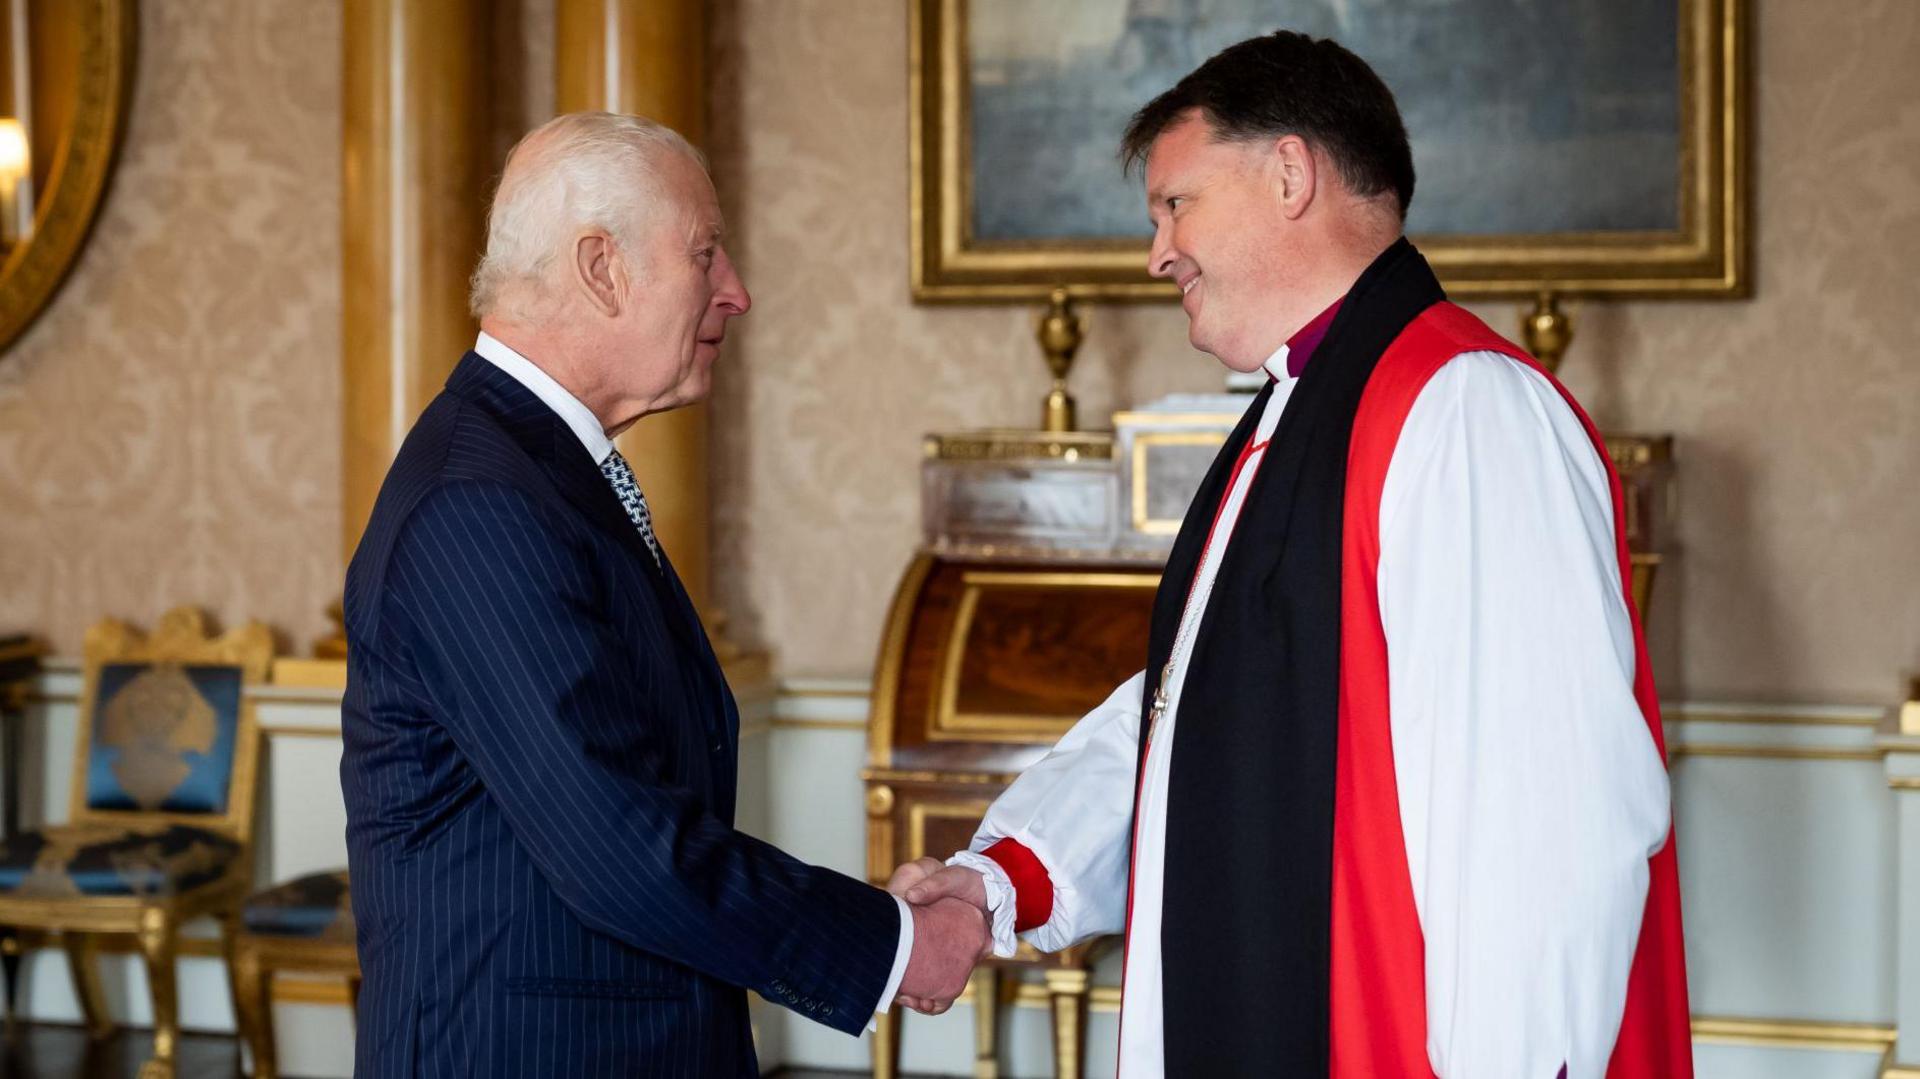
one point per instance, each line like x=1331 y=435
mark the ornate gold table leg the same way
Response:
x=1067 y=992
x=985 y=986
x=253 y=1008
x=886 y=1044
x=86 y=984
x=158 y=947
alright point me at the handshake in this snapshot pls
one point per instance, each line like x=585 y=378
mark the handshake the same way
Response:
x=952 y=931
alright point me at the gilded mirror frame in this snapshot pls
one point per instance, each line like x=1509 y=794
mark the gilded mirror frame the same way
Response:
x=1708 y=255
x=33 y=271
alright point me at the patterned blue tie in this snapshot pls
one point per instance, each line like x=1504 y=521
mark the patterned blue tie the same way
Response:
x=617 y=473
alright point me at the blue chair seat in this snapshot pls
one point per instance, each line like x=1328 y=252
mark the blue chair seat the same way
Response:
x=315 y=907
x=103 y=860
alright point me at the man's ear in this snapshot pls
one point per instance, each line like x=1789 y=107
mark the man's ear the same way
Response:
x=1296 y=174
x=595 y=269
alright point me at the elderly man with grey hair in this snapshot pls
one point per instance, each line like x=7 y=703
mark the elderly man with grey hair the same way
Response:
x=540 y=749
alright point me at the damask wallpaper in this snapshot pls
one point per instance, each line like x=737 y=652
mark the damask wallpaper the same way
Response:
x=169 y=430
x=170 y=427
x=1797 y=413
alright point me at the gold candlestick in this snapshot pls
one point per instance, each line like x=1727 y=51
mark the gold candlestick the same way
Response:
x=1546 y=331
x=1060 y=331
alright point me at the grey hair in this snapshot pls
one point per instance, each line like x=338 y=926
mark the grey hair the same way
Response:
x=583 y=169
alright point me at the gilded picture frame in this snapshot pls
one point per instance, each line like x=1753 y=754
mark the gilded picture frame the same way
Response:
x=1699 y=248
x=104 y=36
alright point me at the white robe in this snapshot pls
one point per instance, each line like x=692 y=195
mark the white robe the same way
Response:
x=1531 y=794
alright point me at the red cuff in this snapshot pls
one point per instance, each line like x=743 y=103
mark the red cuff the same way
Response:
x=1032 y=887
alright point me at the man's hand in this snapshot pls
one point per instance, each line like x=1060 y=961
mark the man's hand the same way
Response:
x=949 y=938
x=912 y=873
x=947 y=882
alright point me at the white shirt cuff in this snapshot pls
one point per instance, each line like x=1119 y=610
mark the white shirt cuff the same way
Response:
x=901 y=954
x=1000 y=903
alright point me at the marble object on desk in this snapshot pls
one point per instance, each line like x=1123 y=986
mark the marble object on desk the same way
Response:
x=1005 y=492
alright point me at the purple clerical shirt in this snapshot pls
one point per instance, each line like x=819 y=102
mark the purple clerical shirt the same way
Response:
x=1301 y=346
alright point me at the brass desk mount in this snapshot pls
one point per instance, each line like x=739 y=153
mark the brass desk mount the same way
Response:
x=1547 y=331
x=1060 y=331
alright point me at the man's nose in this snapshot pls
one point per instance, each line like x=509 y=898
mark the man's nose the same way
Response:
x=1162 y=256
x=732 y=293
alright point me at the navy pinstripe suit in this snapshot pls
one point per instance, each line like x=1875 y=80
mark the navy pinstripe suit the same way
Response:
x=540 y=776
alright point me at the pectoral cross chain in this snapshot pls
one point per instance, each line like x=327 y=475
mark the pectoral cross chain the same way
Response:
x=1159 y=709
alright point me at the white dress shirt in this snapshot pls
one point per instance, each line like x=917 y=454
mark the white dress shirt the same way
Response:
x=578 y=417
x=582 y=422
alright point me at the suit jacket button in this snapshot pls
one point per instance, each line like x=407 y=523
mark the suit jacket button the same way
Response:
x=827 y=1011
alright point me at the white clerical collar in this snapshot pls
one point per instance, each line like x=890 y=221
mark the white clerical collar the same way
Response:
x=579 y=418
x=1276 y=364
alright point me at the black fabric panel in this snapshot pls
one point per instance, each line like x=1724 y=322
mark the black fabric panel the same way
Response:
x=1249 y=864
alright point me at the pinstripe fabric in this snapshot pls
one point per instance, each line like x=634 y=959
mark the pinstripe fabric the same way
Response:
x=539 y=773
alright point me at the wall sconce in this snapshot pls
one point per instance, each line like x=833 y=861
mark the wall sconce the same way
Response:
x=16 y=163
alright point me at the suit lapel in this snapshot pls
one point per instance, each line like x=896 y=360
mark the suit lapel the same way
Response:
x=538 y=430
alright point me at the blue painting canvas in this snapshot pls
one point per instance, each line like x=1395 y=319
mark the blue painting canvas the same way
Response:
x=1526 y=116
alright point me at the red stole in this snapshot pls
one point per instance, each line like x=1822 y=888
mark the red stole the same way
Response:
x=1378 y=976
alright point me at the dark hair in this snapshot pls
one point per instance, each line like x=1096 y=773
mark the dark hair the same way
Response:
x=1286 y=83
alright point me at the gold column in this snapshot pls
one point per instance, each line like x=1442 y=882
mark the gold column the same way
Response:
x=648 y=57
x=416 y=113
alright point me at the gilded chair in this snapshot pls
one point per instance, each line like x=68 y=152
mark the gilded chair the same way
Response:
x=304 y=925
x=162 y=809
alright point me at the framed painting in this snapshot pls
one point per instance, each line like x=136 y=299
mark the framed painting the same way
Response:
x=1573 y=146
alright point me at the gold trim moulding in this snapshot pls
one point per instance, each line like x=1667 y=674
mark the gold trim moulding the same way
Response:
x=909 y=775
x=1779 y=719
x=780 y=724
x=1115 y=554
x=1007 y=444
x=1801 y=753
x=297 y=672
x=299 y=730
x=892 y=654
x=1156 y=421
x=852 y=690
x=1000 y=729
x=1795 y=1033
x=996 y=579
x=310 y=991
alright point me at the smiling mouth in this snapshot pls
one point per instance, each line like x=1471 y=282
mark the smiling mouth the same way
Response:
x=1190 y=283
